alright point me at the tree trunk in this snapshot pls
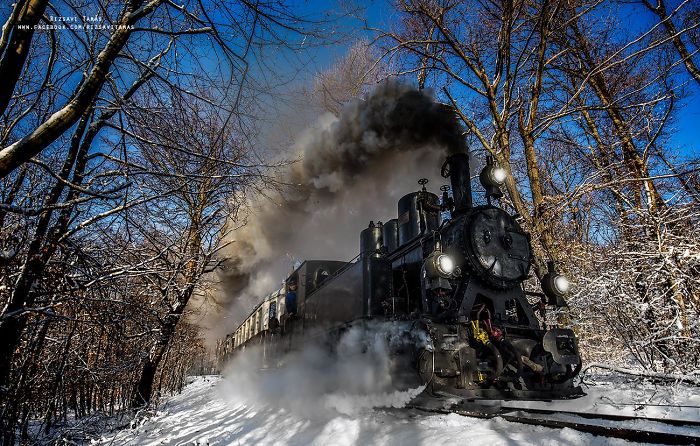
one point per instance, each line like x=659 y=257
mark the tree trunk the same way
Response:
x=14 y=397
x=636 y=165
x=58 y=123
x=144 y=389
x=686 y=57
x=15 y=54
x=13 y=322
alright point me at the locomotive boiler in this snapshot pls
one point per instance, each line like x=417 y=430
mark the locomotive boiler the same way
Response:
x=453 y=271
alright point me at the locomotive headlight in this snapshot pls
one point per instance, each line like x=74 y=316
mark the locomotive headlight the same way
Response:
x=497 y=175
x=561 y=284
x=492 y=177
x=445 y=265
x=439 y=265
x=555 y=286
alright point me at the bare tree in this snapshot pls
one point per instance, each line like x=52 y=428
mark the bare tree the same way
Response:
x=139 y=253
x=349 y=78
x=495 y=58
x=80 y=254
x=204 y=162
x=685 y=37
x=111 y=52
x=609 y=299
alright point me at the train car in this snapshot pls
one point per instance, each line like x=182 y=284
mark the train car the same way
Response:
x=455 y=271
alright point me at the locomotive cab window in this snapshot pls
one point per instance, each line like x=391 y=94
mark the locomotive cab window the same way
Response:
x=291 y=299
x=320 y=276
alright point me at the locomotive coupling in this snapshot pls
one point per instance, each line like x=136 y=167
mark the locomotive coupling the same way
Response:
x=561 y=343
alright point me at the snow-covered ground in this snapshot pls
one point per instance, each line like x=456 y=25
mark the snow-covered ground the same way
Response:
x=348 y=398
x=211 y=411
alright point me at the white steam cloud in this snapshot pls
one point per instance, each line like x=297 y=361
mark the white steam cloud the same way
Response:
x=315 y=382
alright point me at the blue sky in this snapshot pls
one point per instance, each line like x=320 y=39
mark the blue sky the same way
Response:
x=685 y=138
x=683 y=134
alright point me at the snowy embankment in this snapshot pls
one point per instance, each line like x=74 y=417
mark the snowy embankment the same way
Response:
x=210 y=412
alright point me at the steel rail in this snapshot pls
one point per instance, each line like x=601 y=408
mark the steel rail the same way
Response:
x=538 y=417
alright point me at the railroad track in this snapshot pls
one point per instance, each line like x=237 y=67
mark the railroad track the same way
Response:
x=639 y=429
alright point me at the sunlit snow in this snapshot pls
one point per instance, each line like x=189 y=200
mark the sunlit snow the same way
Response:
x=205 y=414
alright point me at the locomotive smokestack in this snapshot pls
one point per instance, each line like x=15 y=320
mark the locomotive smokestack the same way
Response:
x=457 y=167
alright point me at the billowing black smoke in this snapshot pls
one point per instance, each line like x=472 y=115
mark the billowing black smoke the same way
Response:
x=350 y=170
x=395 y=118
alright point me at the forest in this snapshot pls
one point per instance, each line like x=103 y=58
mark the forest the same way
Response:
x=135 y=137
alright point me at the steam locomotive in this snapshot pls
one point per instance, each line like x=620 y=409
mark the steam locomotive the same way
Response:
x=455 y=272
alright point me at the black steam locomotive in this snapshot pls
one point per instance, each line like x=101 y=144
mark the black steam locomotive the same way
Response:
x=455 y=272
